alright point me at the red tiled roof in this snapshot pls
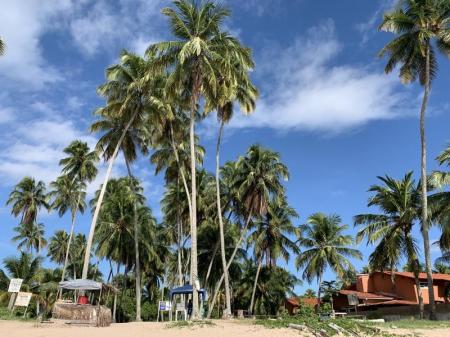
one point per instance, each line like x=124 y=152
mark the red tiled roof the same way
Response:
x=365 y=296
x=307 y=301
x=423 y=276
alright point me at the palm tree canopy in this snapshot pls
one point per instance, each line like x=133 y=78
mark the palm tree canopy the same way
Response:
x=27 y=198
x=399 y=203
x=258 y=177
x=2 y=46
x=272 y=233
x=325 y=245
x=68 y=194
x=80 y=162
x=416 y=23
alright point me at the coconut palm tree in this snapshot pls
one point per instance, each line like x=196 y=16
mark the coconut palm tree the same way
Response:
x=68 y=195
x=236 y=86
x=271 y=237
x=195 y=58
x=2 y=46
x=57 y=247
x=255 y=178
x=80 y=162
x=325 y=246
x=125 y=122
x=127 y=93
x=27 y=198
x=399 y=202
x=30 y=236
x=417 y=24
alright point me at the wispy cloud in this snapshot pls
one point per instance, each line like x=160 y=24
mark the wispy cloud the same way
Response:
x=368 y=28
x=308 y=90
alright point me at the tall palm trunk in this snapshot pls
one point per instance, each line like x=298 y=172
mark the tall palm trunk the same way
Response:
x=319 y=292
x=227 y=312
x=230 y=261
x=258 y=270
x=69 y=242
x=194 y=260
x=418 y=288
x=211 y=262
x=423 y=170
x=137 y=266
x=182 y=172
x=87 y=254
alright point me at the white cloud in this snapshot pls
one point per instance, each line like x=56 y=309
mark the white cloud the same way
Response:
x=309 y=91
x=6 y=115
x=124 y=24
x=22 y=24
x=35 y=148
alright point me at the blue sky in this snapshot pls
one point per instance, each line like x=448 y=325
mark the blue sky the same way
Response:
x=326 y=105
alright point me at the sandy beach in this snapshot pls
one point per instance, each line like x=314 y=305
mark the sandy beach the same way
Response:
x=150 y=329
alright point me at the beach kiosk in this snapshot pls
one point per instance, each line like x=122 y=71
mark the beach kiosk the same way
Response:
x=181 y=307
x=83 y=310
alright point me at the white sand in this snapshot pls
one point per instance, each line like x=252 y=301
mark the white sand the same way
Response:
x=150 y=329
x=220 y=329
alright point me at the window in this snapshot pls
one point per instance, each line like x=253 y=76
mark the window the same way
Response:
x=423 y=284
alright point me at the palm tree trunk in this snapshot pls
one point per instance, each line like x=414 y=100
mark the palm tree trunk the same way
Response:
x=208 y=273
x=418 y=289
x=252 y=301
x=319 y=292
x=137 y=264
x=227 y=312
x=182 y=172
x=423 y=169
x=219 y=284
x=194 y=266
x=69 y=242
x=87 y=254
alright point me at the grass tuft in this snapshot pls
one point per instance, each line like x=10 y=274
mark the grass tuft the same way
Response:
x=190 y=324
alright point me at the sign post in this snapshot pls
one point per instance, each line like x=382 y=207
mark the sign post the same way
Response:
x=14 y=288
x=23 y=300
x=163 y=306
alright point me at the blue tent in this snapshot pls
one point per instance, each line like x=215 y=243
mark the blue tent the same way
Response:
x=185 y=290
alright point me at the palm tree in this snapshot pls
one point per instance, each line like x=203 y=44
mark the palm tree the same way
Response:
x=195 y=58
x=2 y=46
x=68 y=194
x=254 y=179
x=326 y=246
x=80 y=162
x=271 y=237
x=309 y=293
x=417 y=23
x=27 y=198
x=126 y=92
x=57 y=247
x=30 y=236
x=236 y=87
x=400 y=204
x=133 y=137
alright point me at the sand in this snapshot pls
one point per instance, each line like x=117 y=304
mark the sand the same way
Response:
x=151 y=329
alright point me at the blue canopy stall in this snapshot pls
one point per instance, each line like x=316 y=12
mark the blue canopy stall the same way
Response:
x=185 y=290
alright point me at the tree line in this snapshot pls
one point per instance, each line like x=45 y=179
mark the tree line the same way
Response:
x=239 y=218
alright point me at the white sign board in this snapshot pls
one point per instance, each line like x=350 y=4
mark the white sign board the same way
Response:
x=165 y=305
x=14 y=285
x=22 y=299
